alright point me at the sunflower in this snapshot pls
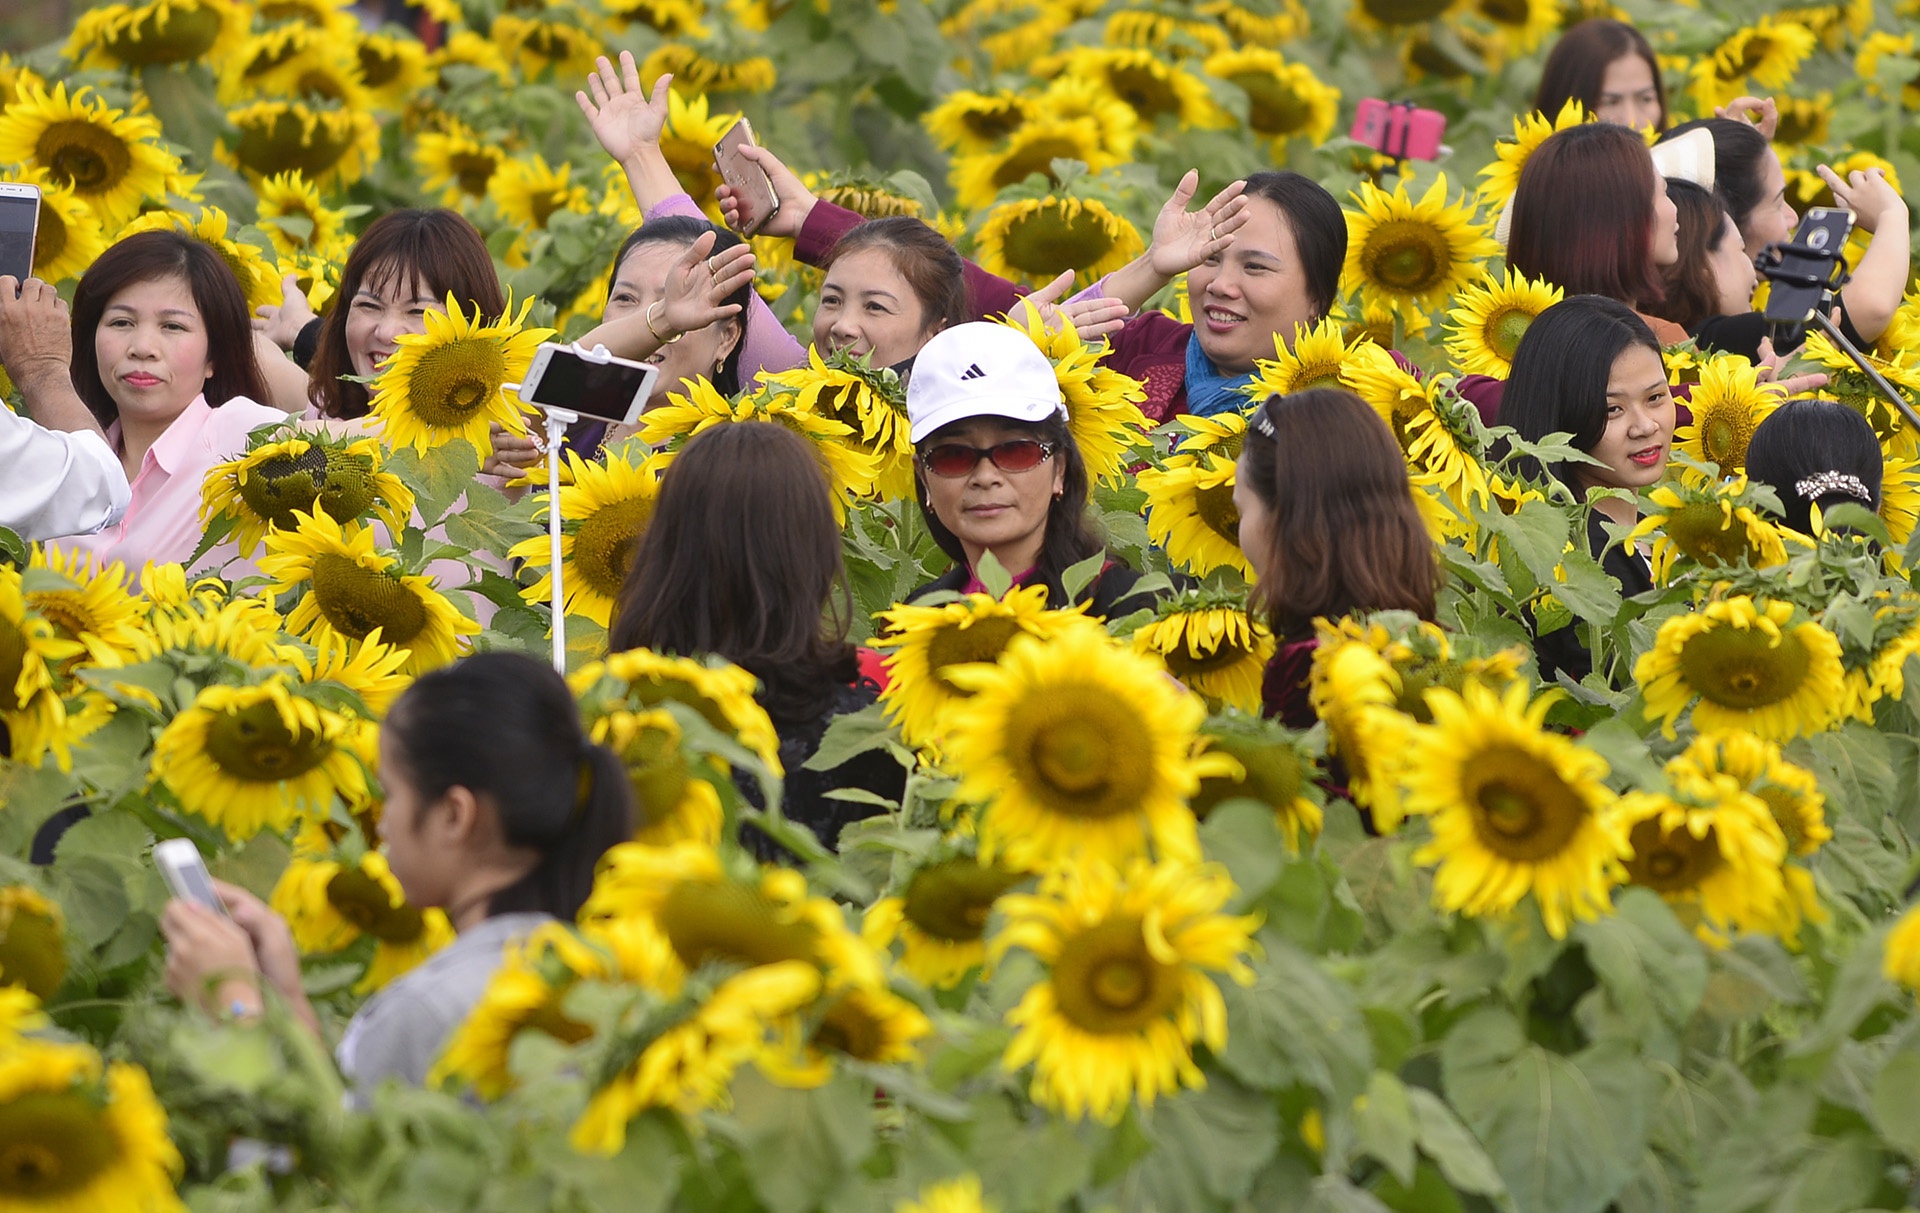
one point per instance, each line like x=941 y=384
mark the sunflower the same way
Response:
x=1151 y=85
x=1846 y=384
x=1204 y=440
x=1502 y=173
x=33 y=950
x=373 y=671
x=1070 y=97
x=1900 y=952
x=940 y=918
x=557 y=40
x=1713 y=526
x=1804 y=120
x=1190 y=513
x=250 y=759
x=467 y=51
x=334 y=18
x=1748 y=665
x=324 y=70
x=689 y=1066
x=1077 y=745
x=1411 y=256
x=1209 y=642
x=961 y=1195
x=33 y=717
x=1034 y=240
x=1514 y=809
x=458 y=162
x=709 y=69
x=871 y=401
x=1769 y=51
x=524 y=993
x=873 y=1026
x=1719 y=860
x=529 y=192
x=721 y=693
x=351 y=590
x=1103 y=413
x=1879 y=45
x=20 y=1014
x=968 y=123
x=979 y=177
x=1319 y=355
x=249 y=264
x=1285 y=101
x=1519 y=25
x=68 y=236
x=1432 y=424
x=15 y=77
x=1790 y=793
x=88 y=602
x=245 y=631
x=930 y=642
x=850 y=472
x=1489 y=318
x=1728 y=404
x=76 y=1133
x=272 y=484
x=670 y=18
x=604 y=512
x=450 y=381
x=1272 y=770
x=1377 y=15
x=1128 y=992
x=864 y=196
x=673 y=804
x=290 y=196
x=393 y=67
x=687 y=141
x=329 y=906
x=1175 y=37
x=329 y=145
x=111 y=160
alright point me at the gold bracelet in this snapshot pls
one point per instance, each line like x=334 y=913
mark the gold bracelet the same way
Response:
x=661 y=304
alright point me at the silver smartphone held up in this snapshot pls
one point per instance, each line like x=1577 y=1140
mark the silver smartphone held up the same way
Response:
x=19 y=225
x=591 y=383
x=186 y=874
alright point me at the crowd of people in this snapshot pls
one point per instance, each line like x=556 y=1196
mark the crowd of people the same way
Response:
x=155 y=373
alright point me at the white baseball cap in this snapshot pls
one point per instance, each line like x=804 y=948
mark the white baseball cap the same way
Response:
x=980 y=369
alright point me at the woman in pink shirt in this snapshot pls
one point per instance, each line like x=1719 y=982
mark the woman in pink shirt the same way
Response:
x=162 y=355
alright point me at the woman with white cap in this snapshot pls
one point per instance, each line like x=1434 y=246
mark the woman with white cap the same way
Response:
x=997 y=469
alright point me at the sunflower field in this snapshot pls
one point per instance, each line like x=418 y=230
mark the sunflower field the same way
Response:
x=1473 y=944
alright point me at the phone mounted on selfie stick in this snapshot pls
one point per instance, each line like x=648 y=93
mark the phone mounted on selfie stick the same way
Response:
x=1805 y=273
x=594 y=385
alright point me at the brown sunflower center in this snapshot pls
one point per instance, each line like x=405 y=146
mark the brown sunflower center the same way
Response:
x=1079 y=754
x=453 y=382
x=49 y=239
x=1147 y=89
x=1670 y=863
x=54 y=1145
x=1506 y=12
x=1274 y=106
x=1049 y=241
x=88 y=157
x=604 y=541
x=356 y=600
x=1786 y=809
x=1107 y=982
x=377 y=66
x=275 y=140
x=66 y=610
x=1407 y=256
x=341 y=484
x=255 y=745
x=1706 y=533
x=994 y=122
x=1272 y=775
x=850 y=1027
x=1183 y=664
x=982 y=640
x=1215 y=507
x=1523 y=811
x=1036 y=156
x=730 y=920
x=1404 y=12
x=1742 y=668
x=13 y=661
x=165 y=35
x=658 y=772
x=953 y=899
x=365 y=902
x=33 y=952
x=1505 y=328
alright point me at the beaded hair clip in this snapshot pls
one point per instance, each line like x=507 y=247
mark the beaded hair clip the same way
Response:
x=1819 y=485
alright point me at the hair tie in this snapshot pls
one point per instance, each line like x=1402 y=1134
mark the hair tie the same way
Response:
x=1264 y=423
x=1820 y=484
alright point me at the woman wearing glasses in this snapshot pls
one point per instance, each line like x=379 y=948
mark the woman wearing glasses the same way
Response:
x=997 y=469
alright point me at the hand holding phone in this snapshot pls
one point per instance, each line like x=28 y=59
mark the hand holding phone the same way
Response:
x=19 y=227
x=755 y=200
x=186 y=874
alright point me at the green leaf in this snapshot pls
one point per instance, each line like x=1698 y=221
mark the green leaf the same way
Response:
x=1243 y=836
x=1208 y=1146
x=993 y=575
x=1565 y=1133
x=854 y=734
x=1649 y=964
x=1296 y=1025
x=1453 y=1149
x=1588 y=590
x=1896 y=1101
x=1080 y=575
x=642 y=1178
x=1383 y=1124
x=183 y=99
x=798 y=1145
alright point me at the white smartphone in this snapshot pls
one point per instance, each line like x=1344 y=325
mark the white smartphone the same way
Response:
x=753 y=189
x=186 y=874
x=19 y=225
x=592 y=383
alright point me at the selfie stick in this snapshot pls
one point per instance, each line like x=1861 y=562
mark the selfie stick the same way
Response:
x=1829 y=282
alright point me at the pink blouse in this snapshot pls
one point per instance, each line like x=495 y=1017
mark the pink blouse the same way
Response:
x=163 y=522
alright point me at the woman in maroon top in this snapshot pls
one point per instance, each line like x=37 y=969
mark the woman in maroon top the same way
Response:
x=1329 y=523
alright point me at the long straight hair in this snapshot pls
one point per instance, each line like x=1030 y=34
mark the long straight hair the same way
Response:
x=505 y=727
x=1560 y=371
x=438 y=249
x=150 y=257
x=1577 y=68
x=742 y=560
x=1583 y=214
x=1345 y=535
x=681 y=231
x=1070 y=534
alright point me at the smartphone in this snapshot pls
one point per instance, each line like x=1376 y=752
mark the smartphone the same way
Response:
x=19 y=224
x=752 y=188
x=186 y=874
x=1399 y=129
x=1804 y=272
x=592 y=383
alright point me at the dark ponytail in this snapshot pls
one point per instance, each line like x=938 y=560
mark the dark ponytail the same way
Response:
x=505 y=727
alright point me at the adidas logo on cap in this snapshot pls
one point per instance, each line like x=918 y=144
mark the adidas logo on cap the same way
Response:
x=973 y=372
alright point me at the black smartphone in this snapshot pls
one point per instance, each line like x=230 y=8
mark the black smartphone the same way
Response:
x=1804 y=273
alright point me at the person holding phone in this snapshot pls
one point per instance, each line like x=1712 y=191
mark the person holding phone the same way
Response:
x=498 y=808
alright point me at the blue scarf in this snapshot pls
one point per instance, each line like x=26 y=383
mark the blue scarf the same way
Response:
x=1208 y=391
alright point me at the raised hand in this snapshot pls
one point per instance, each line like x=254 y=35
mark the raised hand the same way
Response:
x=281 y=325
x=796 y=200
x=1183 y=239
x=624 y=118
x=1793 y=385
x=698 y=286
x=1760 y=111
x=1091 y=318
x=1868 y=194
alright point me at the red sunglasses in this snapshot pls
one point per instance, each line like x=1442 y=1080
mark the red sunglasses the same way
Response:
x=955 y=459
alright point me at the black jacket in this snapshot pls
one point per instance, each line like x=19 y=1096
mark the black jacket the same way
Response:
x=1566 y=649
x=804 y=797
x=1108 y=596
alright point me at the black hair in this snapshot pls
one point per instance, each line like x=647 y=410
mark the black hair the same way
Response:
x=506 y=728
x=1070 y=535
x=1804 y=438
x=683 y=230
x=1560 y=370
x=1319 y=229
x=1739 y=163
